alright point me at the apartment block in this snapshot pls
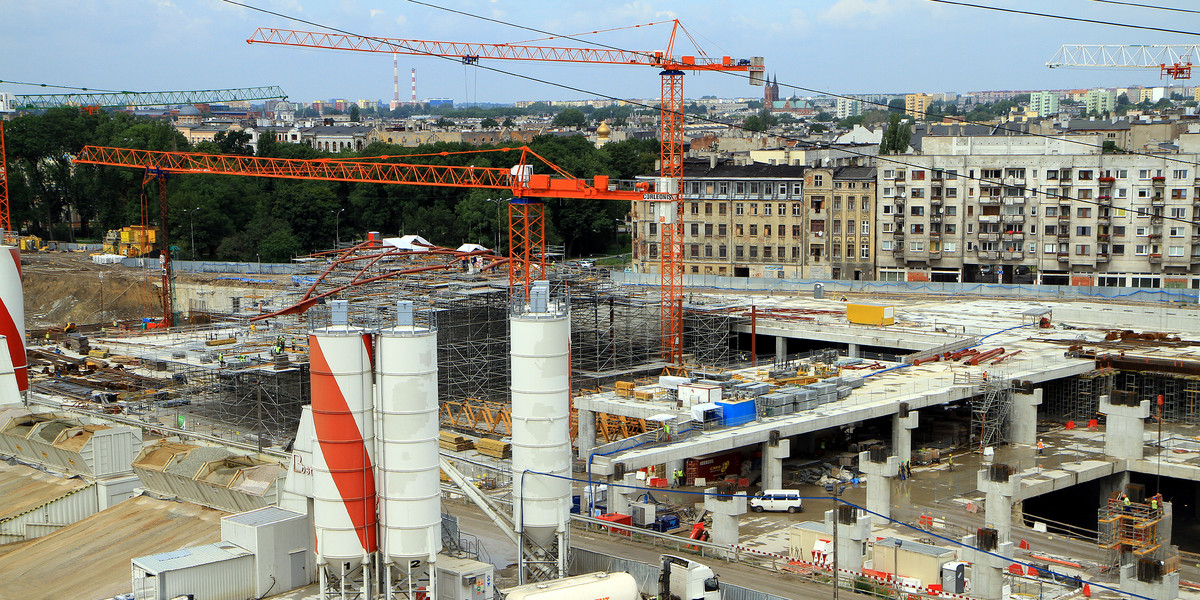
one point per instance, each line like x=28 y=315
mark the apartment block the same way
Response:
x=847 y=107
x=839 y=220
x=1045 y=104
x=1100 y=100
x=917 y=104
x=739 y=220
x=1036 y=210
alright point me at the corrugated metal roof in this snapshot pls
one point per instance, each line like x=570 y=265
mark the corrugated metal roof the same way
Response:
x=190 y=557
x=263 y=516
x=912 y=546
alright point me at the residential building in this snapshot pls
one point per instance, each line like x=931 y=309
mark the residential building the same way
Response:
x=1100 y=101
x=840 y=216
x=743 y=220
x=847 y=107
x=1037 y=210
x=1045 y=104
x=917 y=104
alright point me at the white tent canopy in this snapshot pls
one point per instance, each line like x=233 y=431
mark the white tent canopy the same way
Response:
x=412 y=243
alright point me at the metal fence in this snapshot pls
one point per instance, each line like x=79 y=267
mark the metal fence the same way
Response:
x=983 y=290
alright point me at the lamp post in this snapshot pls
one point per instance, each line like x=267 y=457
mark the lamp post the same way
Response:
x=337 y=232
x=192 y=227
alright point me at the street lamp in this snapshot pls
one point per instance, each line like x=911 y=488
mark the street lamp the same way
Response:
x=192 y=226
x=499 y=204
x=337 y=216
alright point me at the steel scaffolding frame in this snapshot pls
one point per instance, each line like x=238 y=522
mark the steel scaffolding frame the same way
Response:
x=708 y=333
x=989 y=413
x=1078 y=398
x=614 y=332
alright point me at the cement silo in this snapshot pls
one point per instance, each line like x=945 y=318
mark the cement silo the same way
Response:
x=344 y=492
x=541 y=442
x=12 y=314
x=406 y=406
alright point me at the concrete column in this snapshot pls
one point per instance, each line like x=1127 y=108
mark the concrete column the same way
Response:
x=726 y=511
x=879 y=482
x=780 y=348
x=1022 y=419
x=1167 y=589
x=902 y=434
x=586 y=440
x=987 y=571
x=998 y=502
x=772 y=463
x=851 y=538
x=852 y=350
x=618 y=497
x=672 y=466
x=1124 y=428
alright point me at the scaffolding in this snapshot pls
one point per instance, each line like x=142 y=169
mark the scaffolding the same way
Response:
x=614 y=333
x=708 y=335
x=989 y=413
x=1133 y=527
x=1078 y=398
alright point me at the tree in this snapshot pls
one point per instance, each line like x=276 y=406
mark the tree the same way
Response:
x=896 y=136
x=570 y=117
x=850 y=122
x=508 y=122
x=444 y=123
x=355 y=114
x=754 y=123
x=896 y=105
x=488 y=123
x=817 y=128
x=823 y=116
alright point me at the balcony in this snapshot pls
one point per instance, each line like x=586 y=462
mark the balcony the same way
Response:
x=935 y=218
x=899 y=207
x=1012 y=218
x=990 y=201
x=1064 y=257
x=1178 y=261
x=1158 y=201
x=1107 y=181
x=935 y=235
x=1155 y=259
x=1063 y=233
x=935 y=201
x=989 y=237
x=989 y=254
x=898 y=234
x=1103 y=221
x=1104 y=200
x=935 y=255
x=898 y=252
x=1014 y=200
x=1064 y=221
x=1014 y=181
x=989 y=218
x=1103 y=237
x=901 y=175
x=1101 y=257
x=1158 y=181
x=898 y=219
x=1013 y=255
x=1015 y=236
x=1156 y=219
x=1155 y=237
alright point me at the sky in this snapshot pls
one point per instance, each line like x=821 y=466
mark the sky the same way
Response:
x=837 y=46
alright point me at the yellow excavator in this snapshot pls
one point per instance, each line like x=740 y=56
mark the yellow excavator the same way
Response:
x=133 y=241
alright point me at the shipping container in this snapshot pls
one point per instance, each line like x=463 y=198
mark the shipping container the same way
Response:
x=870 y=314
x=699 y=393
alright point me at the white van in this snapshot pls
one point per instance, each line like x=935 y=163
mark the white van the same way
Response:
x=788 y=500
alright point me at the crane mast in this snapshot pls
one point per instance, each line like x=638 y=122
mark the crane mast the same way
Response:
x=527 y=240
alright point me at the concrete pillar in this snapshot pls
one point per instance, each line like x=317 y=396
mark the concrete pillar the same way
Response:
x=772 y=463
x=586 y=440
x=902 y=434
x=671 y=466
x=780 y=348
x=987 y=571
x=1022 y=419
x=879 y=482
x=851 y=538
x=1124 y=428
x=1167 y=589
x=852 y=350
x=618 y=497
x=726 y=511
x=998 y=502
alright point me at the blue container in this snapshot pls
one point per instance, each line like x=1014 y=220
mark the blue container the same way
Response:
x=737 y=413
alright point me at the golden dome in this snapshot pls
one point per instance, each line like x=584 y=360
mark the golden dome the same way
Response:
x=603 y=130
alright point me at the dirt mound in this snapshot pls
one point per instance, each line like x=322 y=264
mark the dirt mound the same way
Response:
x=68 y=288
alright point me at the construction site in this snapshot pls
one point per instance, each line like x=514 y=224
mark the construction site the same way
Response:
x=950 y=449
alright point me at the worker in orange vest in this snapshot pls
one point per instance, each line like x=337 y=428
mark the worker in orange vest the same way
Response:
x=1040 y=447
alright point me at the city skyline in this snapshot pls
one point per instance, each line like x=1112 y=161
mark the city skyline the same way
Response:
x=912 y=45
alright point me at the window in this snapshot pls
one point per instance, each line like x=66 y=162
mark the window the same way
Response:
x=865 y=227
x=722 y=251
x=1052 y=230
x=739 y=187
x=1122 y=173
x=1178 y=213
x=708 y=251
x=837 y=203
x=782 y=209
x=766 y=252
x=1051 y=211
x=797 y=189
x=1144 y=174
x=753 y=251
x=1141 y=249
x=796 y=208
x=1179 y=174
x=1175 y=251
x=885 y=245
x=708 y=230
x=1118 y=248
x=818 y=180
x=889 y=173
x=738 y=209
x=837 y=251
x=888 y=208
x=722 y=230
x=1118 y=230
x=1143 y=193
x=1083 y=213
x=738 y=252
x=695 y=229
x=754 y=189
x=866 y=203
x=1051 y=173
x=783 y=189
x=918 y=175
x=1085 y=174
x=754 y=208
x=796 y=229
x=990 y=173
x=753 y=229
x=1176 y=232
x=837 y=226
x=695 y=250
x=721 y=209
x=1017 y=173
x=1141 y=231
x=889 y=227
x=738 y=229
x=723 y=188
x=951 y=192
x=695 y=208
x=918 y=192
x=850 y=227
x=864 y=251
x=916 y=211
x=950 y=246
x=917 y=228
x=1083 y=231
x=950 y=228
x=653 y=250
x=653 y=227
x=1050 y=248
x=1178 y=194
x=767 y=209
x=951 y=211
x=916 y=246
x=767 y=230
x=1082 y=250
x=708 y=208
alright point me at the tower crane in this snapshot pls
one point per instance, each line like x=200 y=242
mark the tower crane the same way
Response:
x=529 y=211
x=92 y=101
x=1171 y=60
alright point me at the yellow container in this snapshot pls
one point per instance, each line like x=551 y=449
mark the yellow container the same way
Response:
x=870 y=314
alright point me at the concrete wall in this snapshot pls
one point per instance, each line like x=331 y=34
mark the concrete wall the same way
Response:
x=982 y=290
x=213 y=266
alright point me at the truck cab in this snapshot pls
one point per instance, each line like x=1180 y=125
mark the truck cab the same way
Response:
x=682 y=579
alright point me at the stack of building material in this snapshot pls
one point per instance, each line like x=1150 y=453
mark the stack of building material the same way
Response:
x=448 y=440
x=494 y=448
x=775 y=404
x=823 y=391
x=624 y=389
x=76 y=342
x=752 y=389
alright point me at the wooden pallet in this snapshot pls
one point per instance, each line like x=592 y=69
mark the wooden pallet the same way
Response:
x=448 y=440
x=494 y=448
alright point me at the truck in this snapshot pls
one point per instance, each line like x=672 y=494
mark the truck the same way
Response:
x=683 y=579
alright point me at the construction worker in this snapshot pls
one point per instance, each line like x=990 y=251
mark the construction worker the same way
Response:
x=1041 y=446
x=1125 y=501
x=950 y=461
x=1154 y=503
x=221 y=358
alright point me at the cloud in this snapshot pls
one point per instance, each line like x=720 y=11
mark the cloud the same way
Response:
x=867 y=12
x=401 y=20
x=376 y=12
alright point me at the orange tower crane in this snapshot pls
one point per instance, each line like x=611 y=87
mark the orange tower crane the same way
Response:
x=5 y=217
x=529 y=236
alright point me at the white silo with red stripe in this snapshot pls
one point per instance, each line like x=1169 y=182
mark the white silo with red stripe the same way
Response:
x=12 y=313
x=409 y=475
x=344 y=488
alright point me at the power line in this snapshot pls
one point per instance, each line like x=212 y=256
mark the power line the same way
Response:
x=1066 y=18
x=810 y=144
x=1169 y=8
